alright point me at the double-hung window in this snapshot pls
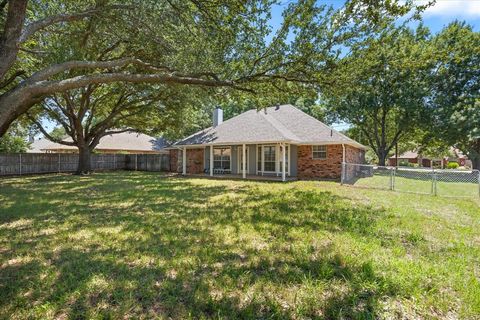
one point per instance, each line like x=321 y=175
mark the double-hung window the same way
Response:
x=221 y=158
x=269 y=159
x=319 y=152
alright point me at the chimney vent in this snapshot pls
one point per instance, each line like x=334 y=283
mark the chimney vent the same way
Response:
x=217 y=116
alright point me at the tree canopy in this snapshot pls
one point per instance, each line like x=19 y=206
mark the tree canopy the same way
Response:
x=385 y=84
x=455 y=99
x=216 y=44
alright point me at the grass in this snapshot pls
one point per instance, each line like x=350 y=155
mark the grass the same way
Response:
x=141 y=245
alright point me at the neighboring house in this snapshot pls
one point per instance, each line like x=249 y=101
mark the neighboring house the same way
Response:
x=127 y=142
x=411 y=157
x=310 y=148
x=414 y=157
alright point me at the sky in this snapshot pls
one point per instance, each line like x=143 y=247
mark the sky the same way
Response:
x=435 y=18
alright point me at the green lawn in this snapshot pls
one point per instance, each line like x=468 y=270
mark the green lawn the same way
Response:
x=140 y=245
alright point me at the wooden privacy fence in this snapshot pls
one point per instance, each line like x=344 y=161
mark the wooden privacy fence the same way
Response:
x=32 y=163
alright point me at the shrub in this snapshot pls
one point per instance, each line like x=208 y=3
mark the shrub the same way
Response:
x=452 y=165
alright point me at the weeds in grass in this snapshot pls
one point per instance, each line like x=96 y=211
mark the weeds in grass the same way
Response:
x=139 y=245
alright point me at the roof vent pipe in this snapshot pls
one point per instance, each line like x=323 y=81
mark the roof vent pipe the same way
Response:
x=217 y=116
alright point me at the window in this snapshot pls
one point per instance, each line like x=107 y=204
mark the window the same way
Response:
x=269 y=158
x=221 y=158
x=319 y=152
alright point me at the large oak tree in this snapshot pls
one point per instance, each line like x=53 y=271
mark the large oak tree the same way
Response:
x=455 y=98
x=385 y=86
x=227 y=44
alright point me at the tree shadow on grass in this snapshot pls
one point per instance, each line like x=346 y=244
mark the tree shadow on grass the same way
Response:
x=165 y=259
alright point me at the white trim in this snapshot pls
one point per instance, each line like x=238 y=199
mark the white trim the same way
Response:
x=302 y=143
x=256 y=159
x=239 y=162
x=184 y=161
x=211 y=160
x=289 y=159
x=283 y=161
x=277 y=161
x=326 y=151
x=263 y=159
x=226 y=147
x=245 y=161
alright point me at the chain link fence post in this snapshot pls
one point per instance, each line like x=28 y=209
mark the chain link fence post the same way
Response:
x=20 y=162
x=478 y=183
x=59 y=163
x=342 y=177
x=434 y=182
x=392 y=179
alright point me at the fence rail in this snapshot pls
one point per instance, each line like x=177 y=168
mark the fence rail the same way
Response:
x=33 y=163
x=441 y=182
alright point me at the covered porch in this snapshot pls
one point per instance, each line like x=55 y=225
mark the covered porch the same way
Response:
x=264 y=161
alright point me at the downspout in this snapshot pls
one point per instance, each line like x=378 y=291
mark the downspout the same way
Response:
x=342 y=175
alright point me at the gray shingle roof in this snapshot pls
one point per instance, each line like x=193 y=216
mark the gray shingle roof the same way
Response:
x=284 y=123
x=127 y=141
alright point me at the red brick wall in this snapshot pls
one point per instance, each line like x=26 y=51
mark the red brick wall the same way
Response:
x=425 y=162
x=354 y=155
x=174 y=160
x=195 y=160
x=330 y=168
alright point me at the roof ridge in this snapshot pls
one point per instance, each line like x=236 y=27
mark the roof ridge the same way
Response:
x=276 y=124
x=321 y=122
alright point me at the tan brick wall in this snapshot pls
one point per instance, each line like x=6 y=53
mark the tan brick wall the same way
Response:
x=330 y=168
x=195 y=159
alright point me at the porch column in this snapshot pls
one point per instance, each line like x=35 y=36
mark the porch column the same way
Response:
x=244 y=163
x=283 y=161
x=184 y=161
x=211 y=160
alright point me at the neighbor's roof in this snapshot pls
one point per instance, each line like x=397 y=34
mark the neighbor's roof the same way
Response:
x=128 y=141
x=284 y=123
x=407 y=155
x=38 y=145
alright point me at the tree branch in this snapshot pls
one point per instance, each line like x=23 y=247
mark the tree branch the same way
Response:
x=46 y=134
x=12 y=78
x=48 y=21
x=78 y=64
x=46 y=87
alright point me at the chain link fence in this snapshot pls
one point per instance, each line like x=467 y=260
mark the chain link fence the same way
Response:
x=441 y=182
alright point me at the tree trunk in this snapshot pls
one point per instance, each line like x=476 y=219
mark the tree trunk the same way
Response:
x=382 y=156
x=476 y=163
x=474 y=154
x=84 y=165
x=12 y=30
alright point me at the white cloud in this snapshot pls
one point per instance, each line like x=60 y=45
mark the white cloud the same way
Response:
x=454 y=9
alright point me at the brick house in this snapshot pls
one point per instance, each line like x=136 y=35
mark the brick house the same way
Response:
x=414 y=157
x=278 y=141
